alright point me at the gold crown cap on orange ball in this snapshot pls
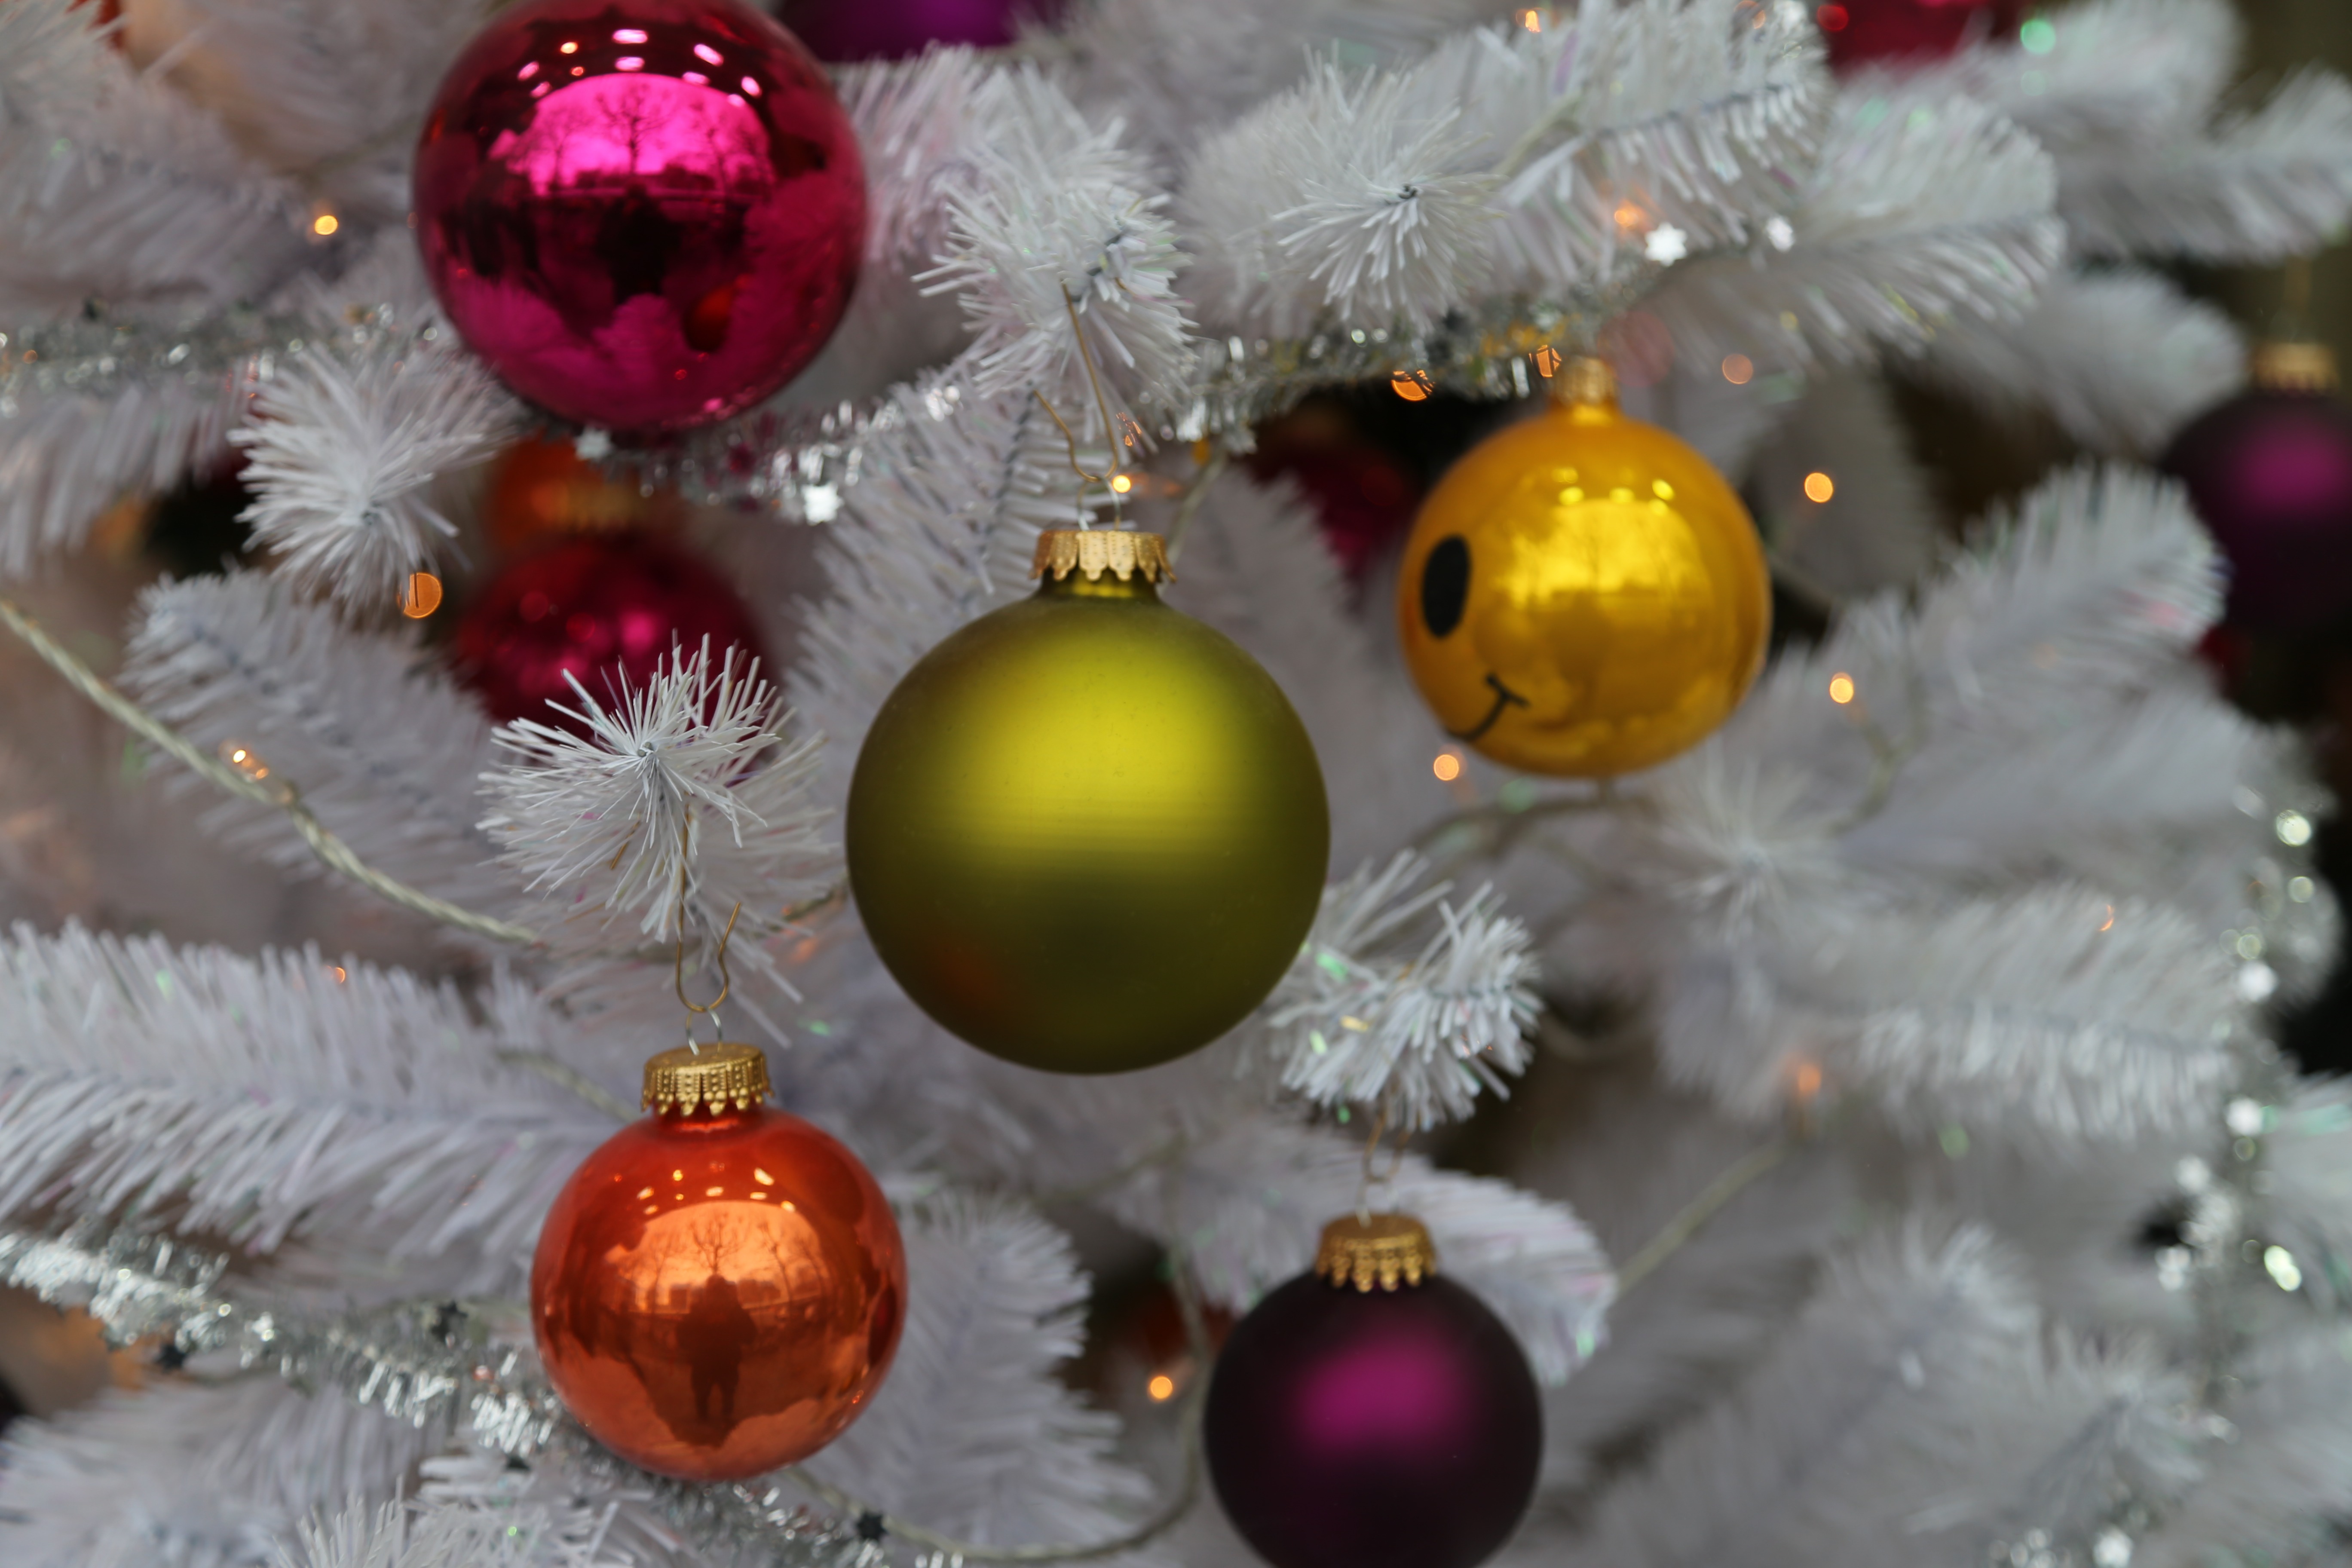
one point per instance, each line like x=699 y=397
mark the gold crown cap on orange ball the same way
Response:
x=1382 y=1250
x=718 y=1077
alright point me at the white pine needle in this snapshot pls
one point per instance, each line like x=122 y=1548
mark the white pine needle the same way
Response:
x=1356 y=1022
x=2258 y=187
x=624 y=816
x=341 y=455
x=383 y=747
x=1350 y=200
x=226 y=1474
x=2122 y=359
x=1057 y=216
x=1922 y=210
x=2107 y=74
x=112 y=187
x=388 y=1127
x=1918 y=1400
x=973 y=1433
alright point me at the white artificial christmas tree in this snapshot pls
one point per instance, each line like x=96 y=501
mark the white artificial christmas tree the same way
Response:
x=1900 y=1010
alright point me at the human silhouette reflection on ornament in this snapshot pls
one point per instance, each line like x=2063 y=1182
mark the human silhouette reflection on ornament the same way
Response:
x=718 y=1331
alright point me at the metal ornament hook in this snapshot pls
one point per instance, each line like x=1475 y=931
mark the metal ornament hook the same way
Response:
x=726 y=983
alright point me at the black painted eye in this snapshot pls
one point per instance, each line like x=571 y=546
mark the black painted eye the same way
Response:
x=1446 y=584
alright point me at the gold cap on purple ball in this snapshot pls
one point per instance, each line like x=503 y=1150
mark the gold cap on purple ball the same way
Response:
x=1384 y=1249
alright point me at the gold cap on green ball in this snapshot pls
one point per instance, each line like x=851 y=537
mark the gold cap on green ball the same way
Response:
x=719 y=1076
x=1384 y=1249
x=1095 y=550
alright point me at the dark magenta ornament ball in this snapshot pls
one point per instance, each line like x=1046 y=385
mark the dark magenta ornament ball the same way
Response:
x=1859 y=32
x=2270 y=473
x=1375 y=1429
x=643 y=215
x=606 y=608
x=896 y=29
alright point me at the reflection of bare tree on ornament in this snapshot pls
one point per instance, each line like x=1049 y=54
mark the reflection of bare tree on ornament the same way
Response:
x=628 y=119
x=635 y=240
x=718 y=155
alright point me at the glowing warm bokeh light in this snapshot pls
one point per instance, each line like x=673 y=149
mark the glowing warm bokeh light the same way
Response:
x=324 y=225
x=1122 y=483
x=1739 y=369
x=1840 y=688
x=421 y=596
x=1161 y=1387
x=1628 y=215
x=1808 y=1079
x=1818 y=486
x=1412 y=386
x=1531 y=20
x=244 y=759
x=1447 y=767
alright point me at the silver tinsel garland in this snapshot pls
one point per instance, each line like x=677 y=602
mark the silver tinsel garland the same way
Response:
x=434 y=1364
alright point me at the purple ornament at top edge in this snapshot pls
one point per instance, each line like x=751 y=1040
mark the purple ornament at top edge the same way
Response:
x=841 y=32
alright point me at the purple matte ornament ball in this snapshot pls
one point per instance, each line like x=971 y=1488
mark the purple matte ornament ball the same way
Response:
x=1374 y=1429
x=643 y=215
x=843 y=31
x=2270 y=473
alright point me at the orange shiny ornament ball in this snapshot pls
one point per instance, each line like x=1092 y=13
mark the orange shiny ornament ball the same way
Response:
x=718 y=1289
x=545 y=489
x=1582 y=594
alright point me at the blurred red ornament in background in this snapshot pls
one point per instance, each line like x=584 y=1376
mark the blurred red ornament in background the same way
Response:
x=543 y=490
x=1363 y=499
x=1859 y=32
x=644 y=216
x=606 y=609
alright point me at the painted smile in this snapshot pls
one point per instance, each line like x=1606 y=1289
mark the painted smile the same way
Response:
x=1504 y=698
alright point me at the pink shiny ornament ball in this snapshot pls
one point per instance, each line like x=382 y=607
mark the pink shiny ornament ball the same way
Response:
x=644 y=215
x=608 y=609
x=1859 y=32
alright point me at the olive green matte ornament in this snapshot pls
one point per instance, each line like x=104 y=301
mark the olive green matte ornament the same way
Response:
x=1087 y=833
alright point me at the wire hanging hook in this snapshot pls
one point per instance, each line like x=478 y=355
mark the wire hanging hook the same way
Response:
x=1111 y=436
x=678 y=972
x=725 y=983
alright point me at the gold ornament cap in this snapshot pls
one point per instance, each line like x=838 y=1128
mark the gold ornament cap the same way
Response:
x=1586 y=381
x=1384 y=1249
x=1095 y=550
x=720 y=1076
x=2293 y=367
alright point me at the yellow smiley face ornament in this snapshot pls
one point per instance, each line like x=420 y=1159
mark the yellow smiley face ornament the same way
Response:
x=1582 y=594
